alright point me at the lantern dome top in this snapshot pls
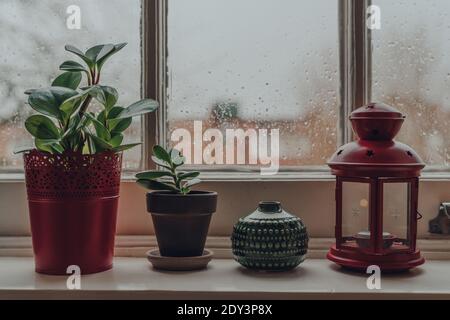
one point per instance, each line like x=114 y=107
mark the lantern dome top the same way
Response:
x=375 y=153
x=377 y=110
x=376 y=121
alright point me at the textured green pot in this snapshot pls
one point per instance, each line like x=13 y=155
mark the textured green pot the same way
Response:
x=270 y=239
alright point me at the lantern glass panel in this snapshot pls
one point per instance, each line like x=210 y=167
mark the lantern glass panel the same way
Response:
x=396 y=213
x=355 y=212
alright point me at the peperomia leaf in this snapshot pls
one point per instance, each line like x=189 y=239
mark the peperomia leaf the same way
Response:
x=61 y=94
x=80 y=54
x=119 y=125
x=98 y=52
x=43 y=101
x=71 y=105
x=102 y=58
x=57 y=147
x=50 y=145
x=107 y=96
x=125 y=147
x=75 y=125
x=139 y=108
x=22 y=150
x=68 y=79
x=41 y=146
x=100 y=129
x=114 y=112
x=111 y=96
x=102 y=117
x=96 y=92
x=100 y=143
x=72 y=66
x=48 y=101
x=116 y=140
x=29 y=91
x=42 y=127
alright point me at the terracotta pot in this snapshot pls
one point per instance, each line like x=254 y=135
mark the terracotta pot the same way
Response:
x=181 y=221
x=72 y=201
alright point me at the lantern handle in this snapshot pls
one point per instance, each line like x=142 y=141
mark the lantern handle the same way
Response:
x=419 y=215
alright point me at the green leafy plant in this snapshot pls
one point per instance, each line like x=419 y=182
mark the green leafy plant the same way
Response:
x=64 y=122
x=169 y=179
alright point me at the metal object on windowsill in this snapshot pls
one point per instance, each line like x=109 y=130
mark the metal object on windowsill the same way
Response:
x=441 y=224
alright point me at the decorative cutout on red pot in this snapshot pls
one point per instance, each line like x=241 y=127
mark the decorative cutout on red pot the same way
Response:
x=72 y=175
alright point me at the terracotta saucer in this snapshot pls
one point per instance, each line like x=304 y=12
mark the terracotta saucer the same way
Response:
x=179 y=263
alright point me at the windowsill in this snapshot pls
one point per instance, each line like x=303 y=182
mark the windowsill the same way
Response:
x=133 y=278
x=286 y=176
x=217 y=176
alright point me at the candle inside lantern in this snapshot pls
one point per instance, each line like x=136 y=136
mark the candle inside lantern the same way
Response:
x=363 y=239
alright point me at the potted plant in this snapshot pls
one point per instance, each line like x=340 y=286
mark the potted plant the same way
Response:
x=180 y=215
x=73 y=173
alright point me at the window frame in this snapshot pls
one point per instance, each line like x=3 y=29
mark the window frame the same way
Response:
x=312 y=197
x=355 y=90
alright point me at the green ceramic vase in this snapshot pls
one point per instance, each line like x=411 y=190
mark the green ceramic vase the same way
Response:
x=270 y=239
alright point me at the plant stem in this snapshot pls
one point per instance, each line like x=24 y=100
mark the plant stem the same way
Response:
x=89 y=80
x=92 y=76
x=98 y=78
x=88 y=141
x=84 y=106
x=95 y=79
x=175 y=178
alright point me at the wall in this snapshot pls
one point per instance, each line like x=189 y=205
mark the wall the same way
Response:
x=312 y=201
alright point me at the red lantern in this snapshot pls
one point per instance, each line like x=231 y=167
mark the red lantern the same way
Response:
x=377 y=184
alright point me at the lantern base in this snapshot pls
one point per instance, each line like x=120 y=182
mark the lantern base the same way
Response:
x=360 y=261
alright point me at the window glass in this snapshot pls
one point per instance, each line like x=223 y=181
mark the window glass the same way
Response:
x=411 y=71
x=33 y=35
x=256 y=64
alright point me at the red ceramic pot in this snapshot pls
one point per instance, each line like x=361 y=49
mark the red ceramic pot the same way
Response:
x=73 y=202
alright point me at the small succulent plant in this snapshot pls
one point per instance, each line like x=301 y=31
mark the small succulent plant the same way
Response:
x=168 y=179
